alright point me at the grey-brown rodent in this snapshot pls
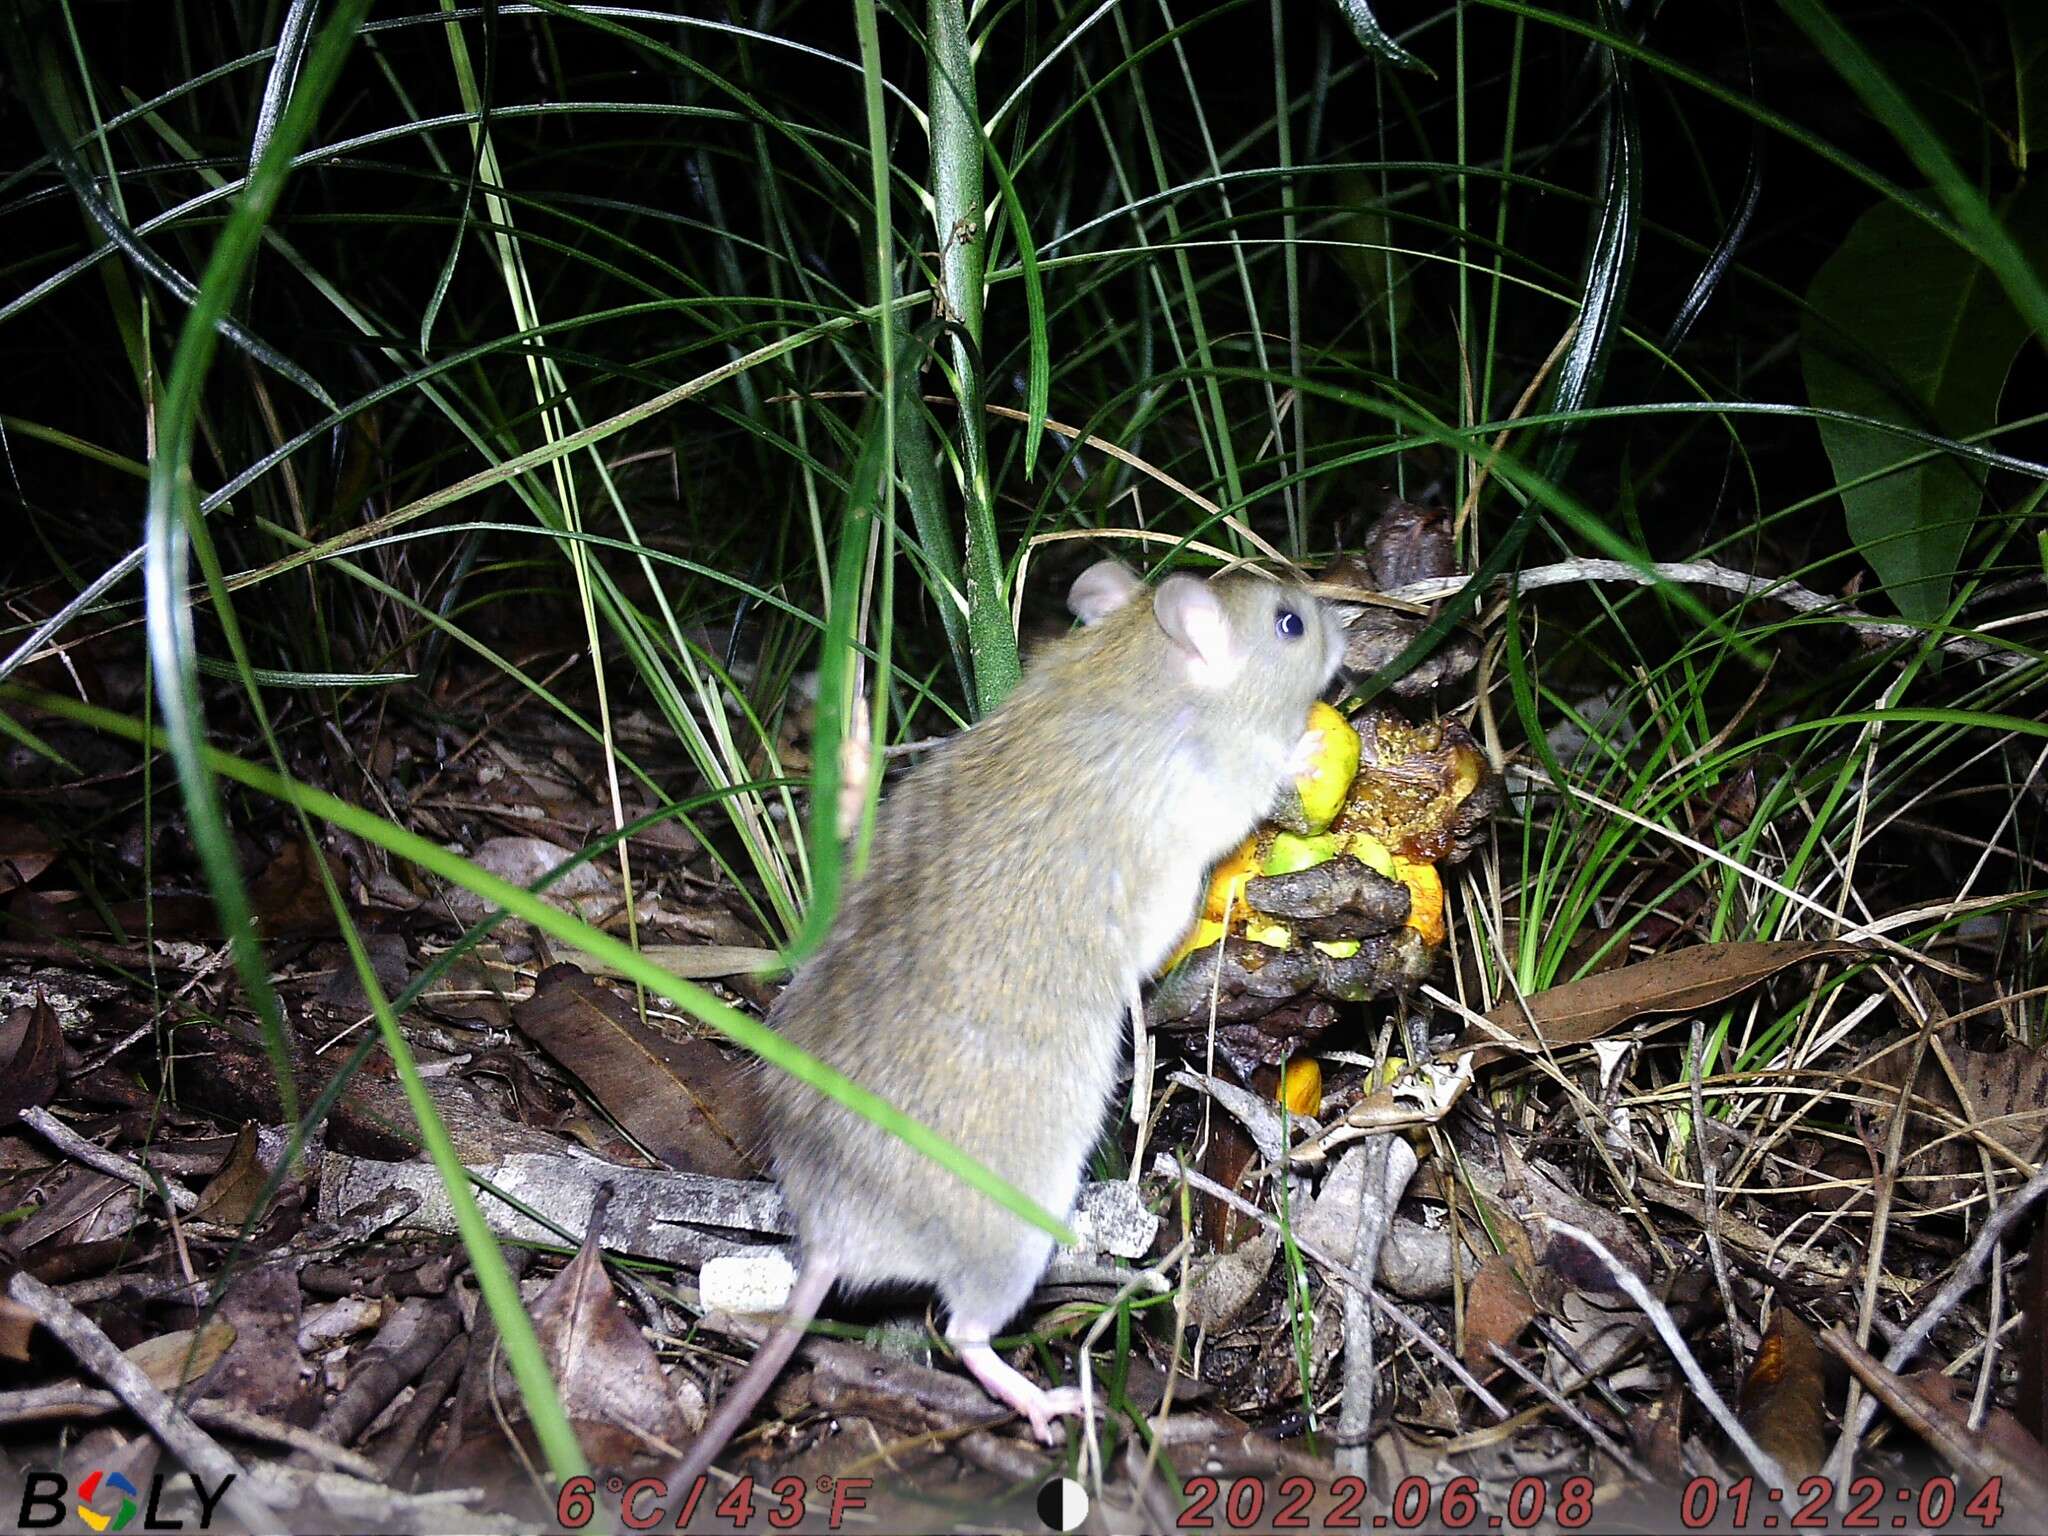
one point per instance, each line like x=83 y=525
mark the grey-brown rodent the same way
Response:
x=1024 y=880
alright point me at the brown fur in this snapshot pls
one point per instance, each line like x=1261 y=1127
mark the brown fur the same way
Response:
x=1025 y=879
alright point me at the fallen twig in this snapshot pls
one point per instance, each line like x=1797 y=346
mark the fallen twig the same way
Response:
x=1763 y=1461
x=1927 y=1317
x=92 y=1349
x=73 y=1400
x=78 y=1149
x=1388 y=1164
x=1979 y=1453
x=1708 y=573
x=1166 y=1167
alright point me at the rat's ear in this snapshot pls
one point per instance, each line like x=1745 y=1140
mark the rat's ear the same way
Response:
x=1100 y=590
x=1193 y=618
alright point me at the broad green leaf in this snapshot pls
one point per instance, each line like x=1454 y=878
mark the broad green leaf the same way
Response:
x=1908 y=327
x=1976 y=224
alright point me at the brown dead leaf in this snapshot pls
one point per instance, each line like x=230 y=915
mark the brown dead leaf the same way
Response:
x=263 y=1370
x=31 y=1046
x=1506 y=1195
x=1497 y=1308
x=1541 y=1190
x=1226 y=1157
x=612 y=1385
x=25 y=852
x=1658 y=1434
x=681 y=1099
x=1784 y=1396
x=473 y=990
x=16 y=1321
x=1936 y=1407
x=1575 y=1012
x=288 y=897
x=2007 y=1105
x=232 y=1195
x=173 y=1360
x=1729 y=809
x=80 y=1205
x=2001 y=1433
x=37 y=914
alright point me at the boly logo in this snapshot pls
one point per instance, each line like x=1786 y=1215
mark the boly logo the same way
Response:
x=107 y=1501
x=89 y=1492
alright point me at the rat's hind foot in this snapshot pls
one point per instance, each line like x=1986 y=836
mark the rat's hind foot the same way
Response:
x=1018 y=1392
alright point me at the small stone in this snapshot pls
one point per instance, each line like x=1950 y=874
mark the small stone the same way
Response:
x=1110 y=1218
x=746 y=1282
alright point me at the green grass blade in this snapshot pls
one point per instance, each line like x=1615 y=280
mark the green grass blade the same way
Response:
x=958 y=209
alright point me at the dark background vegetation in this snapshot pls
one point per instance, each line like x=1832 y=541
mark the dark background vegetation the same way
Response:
x=732 y=210
x=638 y=205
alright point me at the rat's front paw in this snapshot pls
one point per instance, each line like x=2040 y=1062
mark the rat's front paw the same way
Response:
x=1307 y=754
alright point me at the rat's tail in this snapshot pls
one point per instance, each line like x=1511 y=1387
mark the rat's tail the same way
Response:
x=813 y=1283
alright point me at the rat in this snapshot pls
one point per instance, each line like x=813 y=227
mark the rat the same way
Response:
x=1024 y=880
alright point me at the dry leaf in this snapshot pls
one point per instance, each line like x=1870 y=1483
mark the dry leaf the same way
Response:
x=16 y=1324
x=171 y=1360
x=1686 y=979
x=25 y=852
x=612 y=1386
x=472 y=990
x=231 y=1196
x=263 y=1370
x=31 y=1046
x=2007 y=1094
x=1538 y=1189
x=1658 y=1433
x=1936 y=1407
x=1784 y=1396
x=2001 y=1436
x=289 y=897
x=1497 y=1308
x=1229 y=1153
x=683 y=1100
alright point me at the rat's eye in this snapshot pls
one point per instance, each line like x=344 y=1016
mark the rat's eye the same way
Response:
x=1287 y=624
